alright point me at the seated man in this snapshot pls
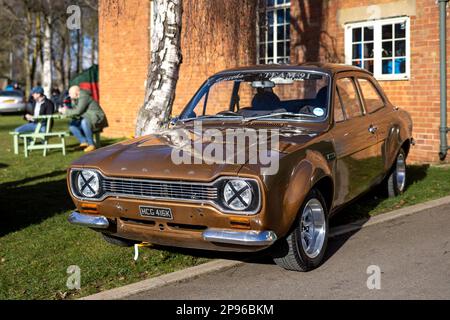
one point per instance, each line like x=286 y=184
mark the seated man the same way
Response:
x=41 y=106
x=265 y=100
x=87 y=116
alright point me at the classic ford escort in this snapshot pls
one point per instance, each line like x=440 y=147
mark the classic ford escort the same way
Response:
x=261 y=157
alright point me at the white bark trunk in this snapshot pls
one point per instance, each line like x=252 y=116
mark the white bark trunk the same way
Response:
x=47 y=57
x=164 y=67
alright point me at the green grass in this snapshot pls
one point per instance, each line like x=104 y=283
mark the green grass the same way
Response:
x=37 y=244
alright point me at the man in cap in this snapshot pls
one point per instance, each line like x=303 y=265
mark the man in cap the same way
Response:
x=40 y=107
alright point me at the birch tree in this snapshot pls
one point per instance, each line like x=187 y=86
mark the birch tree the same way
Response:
x=164 y=67
x=47 y=71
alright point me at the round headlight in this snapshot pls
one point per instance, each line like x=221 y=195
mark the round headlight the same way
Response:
x=88 y=183
x=238 y=195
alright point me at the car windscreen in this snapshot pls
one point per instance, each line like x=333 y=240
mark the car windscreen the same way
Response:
x=11 y=94
x=295 y=95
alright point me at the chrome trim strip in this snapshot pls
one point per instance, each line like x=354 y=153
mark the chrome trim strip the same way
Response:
x=167 y=199
x=246 y=238
x=96 y=222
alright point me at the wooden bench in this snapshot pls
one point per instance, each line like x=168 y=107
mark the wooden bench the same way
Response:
x=38 y=140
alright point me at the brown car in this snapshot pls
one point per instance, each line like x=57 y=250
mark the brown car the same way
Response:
x=298 y=144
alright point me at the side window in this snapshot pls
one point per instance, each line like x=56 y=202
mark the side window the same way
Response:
x=372 y=99
x=350 y=98
x=338 y=111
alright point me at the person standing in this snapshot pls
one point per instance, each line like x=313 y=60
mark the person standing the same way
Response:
x=88 y=117
x=41 y=107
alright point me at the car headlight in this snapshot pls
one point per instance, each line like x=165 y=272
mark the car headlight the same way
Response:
x=88 y=183
x=238 y=195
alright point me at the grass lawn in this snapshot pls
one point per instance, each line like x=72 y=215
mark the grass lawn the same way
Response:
x=37 y=244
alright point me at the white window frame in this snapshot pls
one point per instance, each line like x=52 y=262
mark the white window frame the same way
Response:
x=287 y=42
x=378 y=54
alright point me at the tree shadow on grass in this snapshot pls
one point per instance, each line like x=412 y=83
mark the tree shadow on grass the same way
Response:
x=31 y=204
x=3 y=165
x=17 y=183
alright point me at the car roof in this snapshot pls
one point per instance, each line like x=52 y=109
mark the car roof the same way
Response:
x=328 y=68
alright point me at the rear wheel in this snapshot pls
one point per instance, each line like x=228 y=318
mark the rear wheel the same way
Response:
x=304 y=248
x=118 y=241
x=396 y=183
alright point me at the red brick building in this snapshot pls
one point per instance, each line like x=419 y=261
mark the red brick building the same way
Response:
x=397 y=40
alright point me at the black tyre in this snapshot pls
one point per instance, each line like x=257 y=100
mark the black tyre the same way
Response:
x=118 y=241
x=304 y=248
x=396 y=182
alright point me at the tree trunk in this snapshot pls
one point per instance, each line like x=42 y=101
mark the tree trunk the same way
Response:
x=69 y=58
x=37 y=48
x=80 y=48
x=164 y=67
x=93 y=49
x=47 y=57
x=26 y=54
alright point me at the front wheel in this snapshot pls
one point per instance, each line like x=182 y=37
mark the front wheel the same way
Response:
x=396 y=183
x=304 y=248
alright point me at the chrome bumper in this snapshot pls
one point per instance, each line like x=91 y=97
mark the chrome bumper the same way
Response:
x=96 y=222
x=246 y=238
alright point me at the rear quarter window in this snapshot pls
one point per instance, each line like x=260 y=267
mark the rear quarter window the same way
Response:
x=372 y=98
x=350 y=98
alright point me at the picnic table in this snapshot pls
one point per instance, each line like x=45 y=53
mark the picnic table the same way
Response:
x=38 y=140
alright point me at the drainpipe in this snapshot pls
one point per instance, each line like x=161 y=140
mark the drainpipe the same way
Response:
x=443 y=57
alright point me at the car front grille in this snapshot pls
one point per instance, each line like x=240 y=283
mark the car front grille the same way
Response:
x=163 y=190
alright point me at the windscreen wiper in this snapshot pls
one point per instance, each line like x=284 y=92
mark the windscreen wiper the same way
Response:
x=210 y=117
x=281 y=114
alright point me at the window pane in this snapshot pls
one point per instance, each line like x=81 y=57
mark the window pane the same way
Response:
x=349 y=96
x=357 y=63
x=270 y=50
x=280 y=34
x=387 y=66
x=280 y=1
x=270 y=3
x=368 y=50
x=338 y=113
x=280 y=49
x=280 y=16
x=387 y=32
x=288 y=16
x=368 y=65
x=400 y=48
x=288 y=32
x=270 y=18
x=387 y=49
x=368 y=34
x=400 y=30
x=288 y=49
x=357 y=51
x=357 y=35
x=270 y=34
x=400 y=66
x=372 y=98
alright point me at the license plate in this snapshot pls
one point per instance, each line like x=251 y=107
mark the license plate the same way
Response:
x=152 y=212
x=8 y=101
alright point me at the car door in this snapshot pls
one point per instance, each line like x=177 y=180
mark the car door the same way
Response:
x=380 y=115
x=355 y=144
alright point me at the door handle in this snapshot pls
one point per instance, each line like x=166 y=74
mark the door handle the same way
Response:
x=373 y=129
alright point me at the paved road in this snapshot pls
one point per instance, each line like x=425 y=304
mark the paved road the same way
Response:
x=412 y=252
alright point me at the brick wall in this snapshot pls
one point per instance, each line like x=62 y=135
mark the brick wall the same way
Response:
x=419 y=95
x=223 y=36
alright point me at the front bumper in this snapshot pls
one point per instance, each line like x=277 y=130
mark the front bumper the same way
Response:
x=251 y=238
x=96 y=222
